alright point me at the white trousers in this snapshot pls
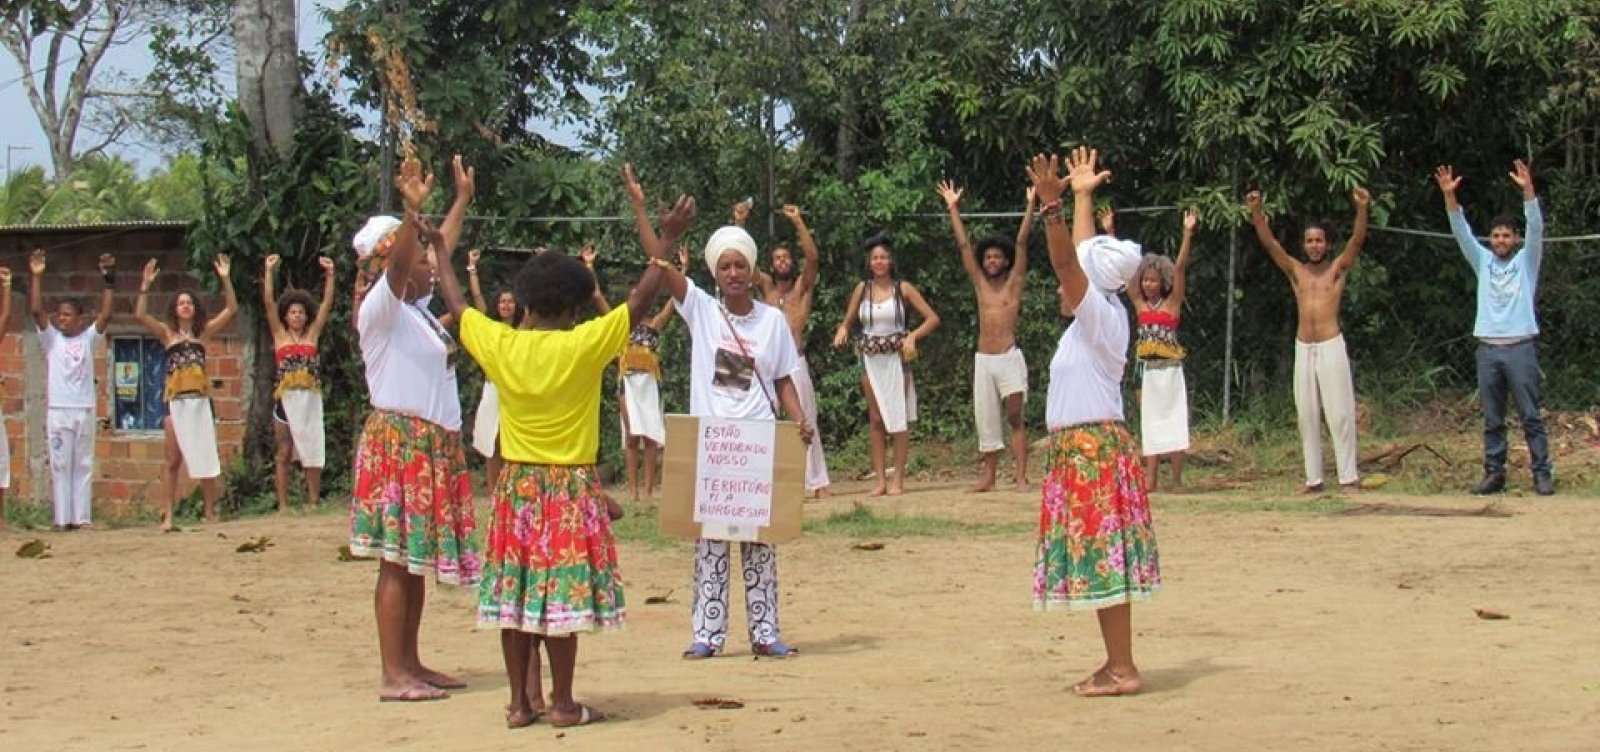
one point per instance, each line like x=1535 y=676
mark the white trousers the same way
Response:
x=816 y=463
x=712 y=564
x=1323 y=386
x=69 y=432
x=994 y=378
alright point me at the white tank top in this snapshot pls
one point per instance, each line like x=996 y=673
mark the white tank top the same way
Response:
x=882 y=318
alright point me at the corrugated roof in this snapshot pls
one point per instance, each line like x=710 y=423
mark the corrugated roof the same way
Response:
x=138 y=224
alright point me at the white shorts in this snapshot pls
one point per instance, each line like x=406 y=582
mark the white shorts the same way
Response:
x=994 y=378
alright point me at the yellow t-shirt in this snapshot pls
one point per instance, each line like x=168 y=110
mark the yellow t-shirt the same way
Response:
x=549 y=383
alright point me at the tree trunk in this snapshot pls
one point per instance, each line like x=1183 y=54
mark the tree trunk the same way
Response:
x=849 y=106
x=268 y=79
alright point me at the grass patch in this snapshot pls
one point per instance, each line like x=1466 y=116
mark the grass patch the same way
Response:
x=861 y=522
x=1226 y=505
x=642 y=525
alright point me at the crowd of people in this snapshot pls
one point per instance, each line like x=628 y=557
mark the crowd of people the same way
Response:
x=547 y=569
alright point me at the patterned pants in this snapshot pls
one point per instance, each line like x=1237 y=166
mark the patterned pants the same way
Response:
x=712 y=563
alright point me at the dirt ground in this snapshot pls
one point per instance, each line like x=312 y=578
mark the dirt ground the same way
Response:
x=1277 y=629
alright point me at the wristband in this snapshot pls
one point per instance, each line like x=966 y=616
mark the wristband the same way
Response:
x=1050 y=208
x=663 y=263
x=110 y=277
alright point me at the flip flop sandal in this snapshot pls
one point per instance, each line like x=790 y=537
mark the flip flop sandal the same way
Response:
x=417 y=692
x=586 y=716
x=700 y=651
x=775 y=650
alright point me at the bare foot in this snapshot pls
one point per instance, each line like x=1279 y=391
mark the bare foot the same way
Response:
x=1105 y=683
x=1312 y=488
x=1023 y=485
x=440 y=680
x=419 y=691
x=983 y=485
x=821 y=493
x=877 y=490
x=1350 y=488
x=167 y=526
x=521 y=717
x=897 y=489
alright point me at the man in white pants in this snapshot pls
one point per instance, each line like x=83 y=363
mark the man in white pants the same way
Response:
x=999 y=372
x=1322 y=382
x=69 y=348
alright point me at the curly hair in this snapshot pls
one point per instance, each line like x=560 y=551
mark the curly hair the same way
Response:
x=553 y=284
x=1163 y=266
x=292 y=298
x=1007 y=246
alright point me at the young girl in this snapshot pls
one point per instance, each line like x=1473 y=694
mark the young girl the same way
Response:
x=190 y=427
x=486 y=421
x=551 y=572
x=1163 y=396
x=886 y=348
x=297 y=388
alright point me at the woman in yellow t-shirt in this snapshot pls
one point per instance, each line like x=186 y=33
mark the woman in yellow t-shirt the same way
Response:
x=551 y=567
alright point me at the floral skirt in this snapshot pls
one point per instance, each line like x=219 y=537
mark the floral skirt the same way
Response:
x=413 y=499
x=552 y=562
x=1097 y=544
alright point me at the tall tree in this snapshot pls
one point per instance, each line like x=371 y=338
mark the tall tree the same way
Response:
x=267 y=59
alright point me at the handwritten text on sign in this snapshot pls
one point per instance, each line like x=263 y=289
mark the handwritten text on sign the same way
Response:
x=733 y=472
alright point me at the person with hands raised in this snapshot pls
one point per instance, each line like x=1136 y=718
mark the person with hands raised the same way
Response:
x=551 y=572
x=1096 y=546
x=998 y=269
x=486 y=419
x=190 y=427
x=1322 y=381
x=644 y=422
x=68 y=340
x=297 y=384
x=412 y=502
x=1506 y=327
x=1163 y=395
x=790 y=288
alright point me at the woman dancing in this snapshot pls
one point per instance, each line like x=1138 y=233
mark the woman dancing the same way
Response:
x=297 y=387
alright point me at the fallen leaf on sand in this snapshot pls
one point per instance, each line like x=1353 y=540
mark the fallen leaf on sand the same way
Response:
x=34 y=549
x=1491 y=614
x=718 y=703
x=873 y=546
x=254 y=545
x=1373 y=481
x=656 y=600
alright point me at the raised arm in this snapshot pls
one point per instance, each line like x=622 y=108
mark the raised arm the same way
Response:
x=108 y=274
x=1533 y=242
x=449 y=284
x=664 y=316
x=1358 y=232
x=930 y=321
x=141 y=311
x=1180 y=272
x=414 y=190
x=230 y=301
x=1048 y=185
x=641 y=216
x=472 y=283
x=1470 y=248
x=808 y=246
x=1019 y=267
x=455 y=219
x=599 y=297
x=1258 y=219
x=660 y=270
x=1107 y=217
x=324 y=308
x=952 y=203
x=36 y=267
x=841 y=336
x=269 y=296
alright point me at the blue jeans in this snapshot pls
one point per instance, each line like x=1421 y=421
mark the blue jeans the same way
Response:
x=1511 y=370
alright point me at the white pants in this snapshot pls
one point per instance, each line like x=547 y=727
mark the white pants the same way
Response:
x=69 y=432
x=1322 y=385
x=712 y=564
x=816 y=463
x=994 y=378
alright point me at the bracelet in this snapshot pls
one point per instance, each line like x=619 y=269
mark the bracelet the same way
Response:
x=110 y=277
x=663 y=263
x=1050 y=208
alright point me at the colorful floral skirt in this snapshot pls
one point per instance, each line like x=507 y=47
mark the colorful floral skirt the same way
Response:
x=552 y=562
x=413 y=499
x=1097 y=544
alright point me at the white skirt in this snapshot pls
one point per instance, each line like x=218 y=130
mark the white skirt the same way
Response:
x=641 y=396
x=1163 y=411
x=196 y=431
x=895 y=389
x=5 y=454
x=486 y=424
x=303 y=408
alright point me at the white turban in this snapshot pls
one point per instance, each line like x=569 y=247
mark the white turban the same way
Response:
x=376 y=229
x=1109 y=263
x=730 y=238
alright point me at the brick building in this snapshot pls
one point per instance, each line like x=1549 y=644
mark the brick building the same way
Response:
x=129 y=368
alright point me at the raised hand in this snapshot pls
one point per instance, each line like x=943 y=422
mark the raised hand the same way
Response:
x=1048 y=183
x=950 y=193
x=840 y=339
x=791 y=212
x=1522 y=176
x=466 y=179
x=413 y=187
x=222 y=264
x=1191 y=220
x=472 y=259
x=1253 y=200
x=1107 y=217
x=741 y=212
x=272 y=262
x=1446 y=177
x=326 y=264
x=1361 y=196
x=152 y=269
x=1083 y=172
x=630 y=184
x=683 y=257
x=36 y=261
x=588 y=254
x=677 y=220
x=432 y=238
x=1030 y=199
x=107 y=262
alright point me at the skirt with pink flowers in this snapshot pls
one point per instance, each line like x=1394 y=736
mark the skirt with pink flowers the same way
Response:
x=551 y=566
x=1097 y=543
x=413 y=499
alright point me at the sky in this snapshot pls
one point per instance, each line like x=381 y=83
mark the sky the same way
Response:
x=24 y=141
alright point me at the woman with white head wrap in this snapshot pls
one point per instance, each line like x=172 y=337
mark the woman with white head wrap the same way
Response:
x=741 y=363
x=1097 y=546
x=412 y=506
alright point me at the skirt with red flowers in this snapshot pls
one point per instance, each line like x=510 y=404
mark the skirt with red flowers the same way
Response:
x=413 y=499
x=1097 y=544
x=552 y=563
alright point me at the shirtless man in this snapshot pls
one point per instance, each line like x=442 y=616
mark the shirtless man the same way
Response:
x=999 y=372
x=1322 y=382
x=790 y=290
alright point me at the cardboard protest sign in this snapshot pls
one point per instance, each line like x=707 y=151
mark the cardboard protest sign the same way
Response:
x=736 y=480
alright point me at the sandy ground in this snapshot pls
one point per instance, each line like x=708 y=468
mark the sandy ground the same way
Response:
x=1276 y=630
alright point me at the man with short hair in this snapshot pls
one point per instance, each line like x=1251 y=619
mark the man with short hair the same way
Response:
x=1322 y=382
x=1506 y=327
x=999 y=371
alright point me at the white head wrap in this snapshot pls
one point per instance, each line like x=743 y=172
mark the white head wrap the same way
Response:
x=373 y=233
x=730 y=238
x=1109 y=263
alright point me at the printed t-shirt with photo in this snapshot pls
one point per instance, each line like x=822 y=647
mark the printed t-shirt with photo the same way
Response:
x=725 y=380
